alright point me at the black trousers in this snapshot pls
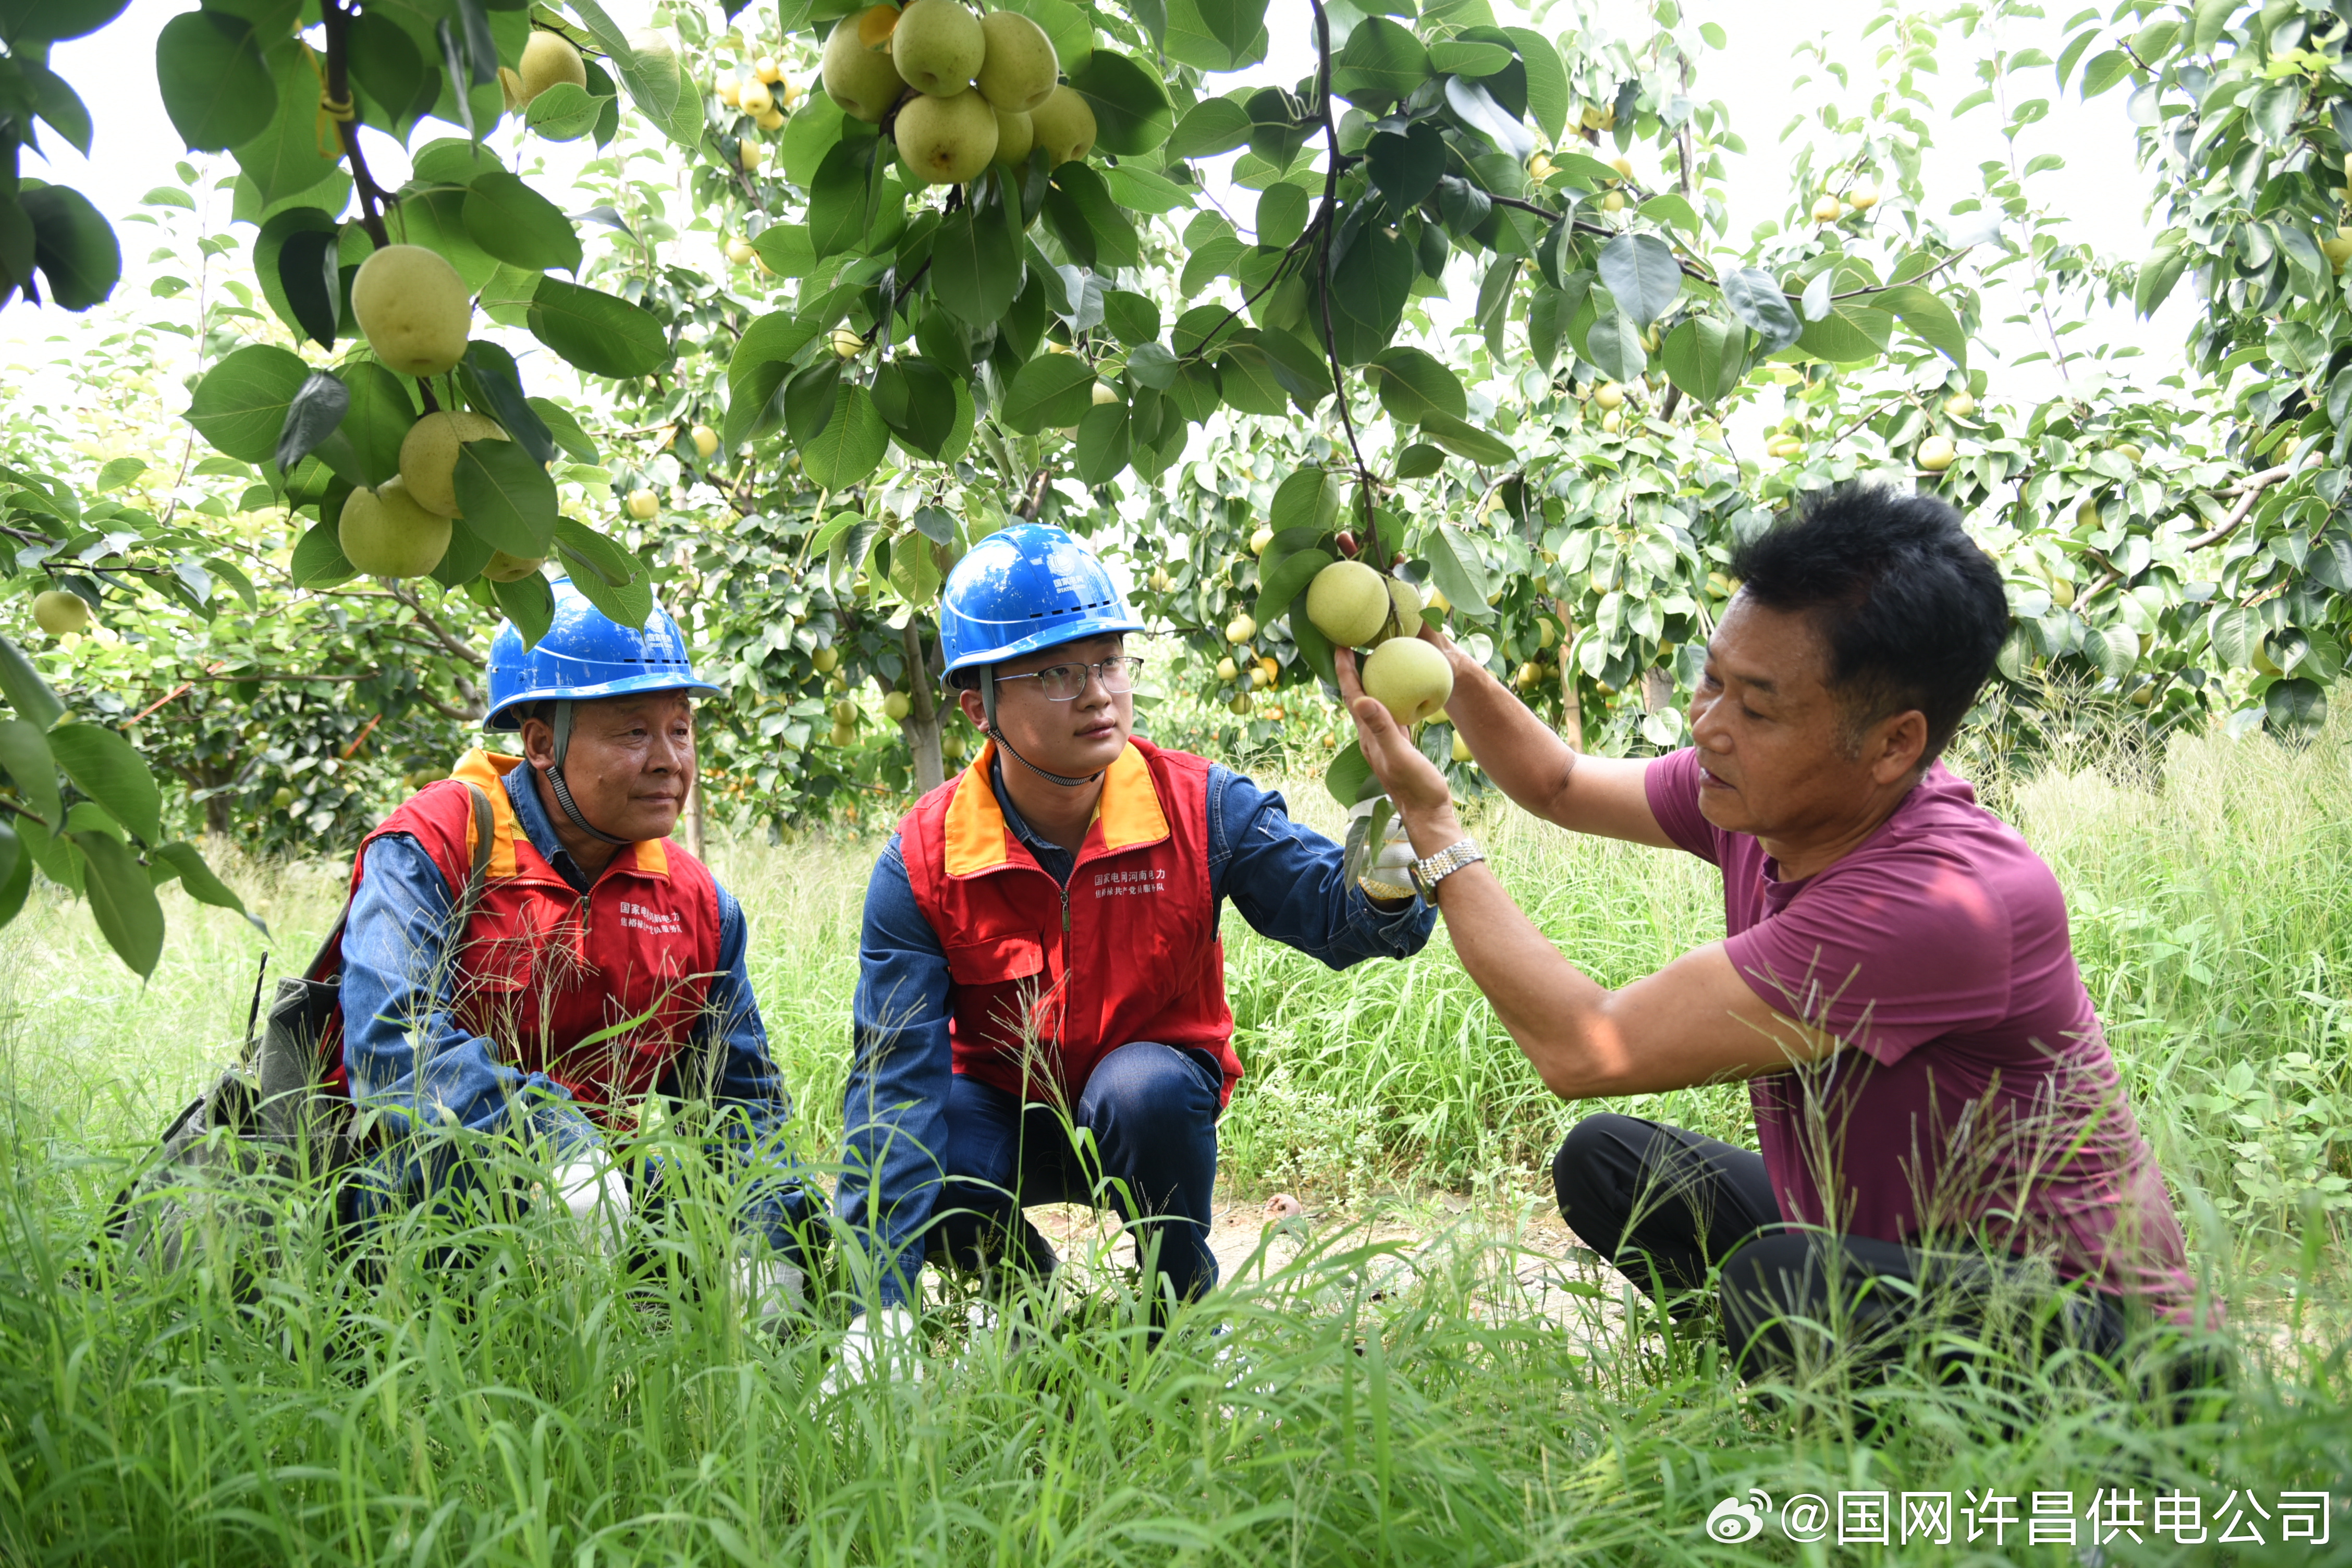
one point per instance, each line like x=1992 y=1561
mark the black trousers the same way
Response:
x=1666 y=1206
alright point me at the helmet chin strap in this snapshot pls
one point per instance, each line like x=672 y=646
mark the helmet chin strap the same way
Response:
x=988 y=706
x=554 y=771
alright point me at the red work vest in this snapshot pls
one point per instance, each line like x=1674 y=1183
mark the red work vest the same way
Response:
x=1045 y=981
x=600 y=989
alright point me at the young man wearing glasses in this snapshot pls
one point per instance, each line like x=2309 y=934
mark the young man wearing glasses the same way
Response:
x=1041 y=1009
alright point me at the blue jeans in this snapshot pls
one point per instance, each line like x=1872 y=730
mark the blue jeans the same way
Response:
x=1150 y=1112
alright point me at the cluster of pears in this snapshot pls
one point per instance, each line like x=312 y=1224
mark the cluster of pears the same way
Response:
x=415 y=312
x=764 y=94
x=969 y=90
x=1355 y=606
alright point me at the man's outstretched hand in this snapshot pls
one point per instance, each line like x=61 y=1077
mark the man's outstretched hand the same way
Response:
x=1411 y=780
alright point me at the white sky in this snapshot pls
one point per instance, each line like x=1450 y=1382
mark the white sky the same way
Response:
x=2100 y=188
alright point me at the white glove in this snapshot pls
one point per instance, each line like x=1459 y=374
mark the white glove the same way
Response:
x=598 y=1196
x=769 y=1288
x=1380 y=865
x=877 y=1344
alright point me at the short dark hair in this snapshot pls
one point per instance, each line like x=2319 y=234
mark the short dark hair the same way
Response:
x=967 y=679
x=1910 y=611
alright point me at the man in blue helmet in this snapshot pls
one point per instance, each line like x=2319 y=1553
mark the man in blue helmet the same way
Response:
x=1041 y=958
x=542 y=981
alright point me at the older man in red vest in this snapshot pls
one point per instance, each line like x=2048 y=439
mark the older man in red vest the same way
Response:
x=1041 y=1011
x=587 y=965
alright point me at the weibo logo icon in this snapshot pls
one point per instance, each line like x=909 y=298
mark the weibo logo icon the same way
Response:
x=1735 y=1519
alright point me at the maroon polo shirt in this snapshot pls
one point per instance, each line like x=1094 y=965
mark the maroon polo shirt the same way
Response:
x=1975 y=1093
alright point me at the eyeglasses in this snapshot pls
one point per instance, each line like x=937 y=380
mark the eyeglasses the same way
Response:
x=1067 y=682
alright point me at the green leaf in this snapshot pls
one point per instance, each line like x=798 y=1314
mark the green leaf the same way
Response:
x=119 y=472
x=316 y=413
x=1413 y=384
x=1133 y=319
x=26 y=757
x=507 y=497
x=596 y=332
x=1380 y=64
x=656 y=77
x=1930 y=318
x=916 y=400
x=852 y=443
x=1287 y=581
x=1614 y=343
x=379 y=416
x=564 y=112
x=1850 y=333
x=2213 y=18
x=284 y=158
x=2296 y=705
x=1051 y=391
x=841 y=207
x=1308 y=498
x=109 y=770
x=1669 y=209
x=1216 y=35
x=1642 y=274
x=1454 y=563
x=2158 y=275
x=1755 y=297
x=493 y=385
x=1703 y=355
x=73 y=245
x=1547 y=94
x=1249 y=382
x=1418 y=460
x=1464 y=58
x=1132 y=115
x=1282 y=213
x=1405 y=166
x=529 y=604
x=1368 y=290
x=188 y=864
x=607 y=574
x=1466 y=440
x=209 y=73
x=562 y=429
x=319 y=561
x=519 y=226
x=25 y=22
x=1105 y=437
x=1349 y=777
x=1212 y=126
x=786 y=249
x=2103 y=72
x=121 y=900
x=975 y=268
x=1300 y=366
x=240 y=406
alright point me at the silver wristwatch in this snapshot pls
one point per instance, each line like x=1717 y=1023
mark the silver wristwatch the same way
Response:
x=1428 y=873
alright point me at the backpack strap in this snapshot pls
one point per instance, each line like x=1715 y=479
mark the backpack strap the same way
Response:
x=329 y=960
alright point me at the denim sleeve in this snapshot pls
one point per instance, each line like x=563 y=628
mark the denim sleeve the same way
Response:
x=750 y=1090
x=894 y=1114
x=406 y=1056
x=1290 y=883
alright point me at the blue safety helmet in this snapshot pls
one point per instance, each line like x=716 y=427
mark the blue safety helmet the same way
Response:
x=585 y=655
x=1023 y=588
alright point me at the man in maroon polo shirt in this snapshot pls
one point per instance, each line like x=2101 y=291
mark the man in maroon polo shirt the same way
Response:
x=1941 y=1124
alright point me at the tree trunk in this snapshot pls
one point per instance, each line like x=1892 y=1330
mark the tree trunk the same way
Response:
x=694 y=819
x=1571 y=707
x=1657 y=690
x=921 y=724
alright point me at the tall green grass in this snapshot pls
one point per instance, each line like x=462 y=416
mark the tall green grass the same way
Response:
x=480 y=1388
